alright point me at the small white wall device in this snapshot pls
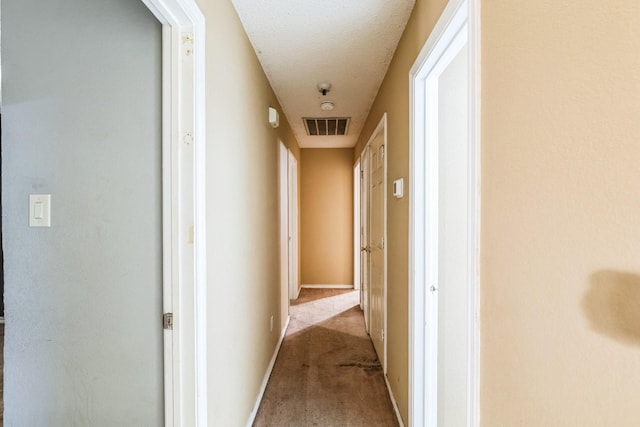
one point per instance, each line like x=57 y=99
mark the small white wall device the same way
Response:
x=39 y=210
x=398 y=190
x=274 y=117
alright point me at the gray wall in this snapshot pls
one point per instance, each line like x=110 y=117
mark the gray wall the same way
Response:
x=82 y=121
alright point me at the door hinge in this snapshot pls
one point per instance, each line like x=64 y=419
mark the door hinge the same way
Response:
x=167 y=320
x=188 y=138
x=382 y=148
x=382 y=334
x=362 y=174
x=187 y=41
x=382 y=243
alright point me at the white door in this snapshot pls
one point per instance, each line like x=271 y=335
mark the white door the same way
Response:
x=293 y=226
x=377 y=245
x=452 y=292
x=364 y=235
x=283 y=193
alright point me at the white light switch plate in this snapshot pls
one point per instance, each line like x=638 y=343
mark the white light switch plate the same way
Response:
x=39 y=210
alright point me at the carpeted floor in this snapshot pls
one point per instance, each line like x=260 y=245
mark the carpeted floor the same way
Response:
x=327 y=373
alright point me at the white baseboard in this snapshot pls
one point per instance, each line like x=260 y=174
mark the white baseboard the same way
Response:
x=316 y=286
x=393 y=402
x=265 y=380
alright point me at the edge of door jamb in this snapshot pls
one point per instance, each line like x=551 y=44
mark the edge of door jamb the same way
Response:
x=184 y=263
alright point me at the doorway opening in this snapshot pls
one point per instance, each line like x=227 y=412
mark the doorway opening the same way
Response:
x=444 y=211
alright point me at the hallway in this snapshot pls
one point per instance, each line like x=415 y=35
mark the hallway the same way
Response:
x=327 y=373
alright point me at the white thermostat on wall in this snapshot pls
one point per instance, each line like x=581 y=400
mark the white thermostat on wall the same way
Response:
x=398 y=190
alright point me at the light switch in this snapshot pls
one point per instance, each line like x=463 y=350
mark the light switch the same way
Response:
x=40 y=210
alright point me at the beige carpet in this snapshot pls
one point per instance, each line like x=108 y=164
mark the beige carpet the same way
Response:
x=327 y=373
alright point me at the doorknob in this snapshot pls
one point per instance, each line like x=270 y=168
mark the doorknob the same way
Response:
x=433 y=288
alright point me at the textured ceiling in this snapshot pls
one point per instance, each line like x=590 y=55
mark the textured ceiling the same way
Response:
x=348 y=43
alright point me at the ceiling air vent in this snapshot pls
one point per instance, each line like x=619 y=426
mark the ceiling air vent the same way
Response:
x=326 y=126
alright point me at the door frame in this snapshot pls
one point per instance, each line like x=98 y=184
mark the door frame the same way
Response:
x=283 y=196
x=457 y=15
x=364 y=235
x=381 y=128
x=356 y=228
x=183 y=190
x=292 y=180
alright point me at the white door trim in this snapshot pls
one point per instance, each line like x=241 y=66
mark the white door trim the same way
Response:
x=457 y=15
x=292 y=179
x=356 y=228
x=364 y=236
x=283 y=196
x=183 y=183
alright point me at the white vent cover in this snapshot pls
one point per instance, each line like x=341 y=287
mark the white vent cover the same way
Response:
x=326 y=126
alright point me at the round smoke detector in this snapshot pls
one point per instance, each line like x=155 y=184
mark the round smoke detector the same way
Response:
x=326 y=105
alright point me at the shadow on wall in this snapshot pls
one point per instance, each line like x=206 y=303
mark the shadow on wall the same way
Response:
x=612 y=304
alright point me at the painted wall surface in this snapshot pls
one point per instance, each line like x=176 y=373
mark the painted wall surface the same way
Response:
x=82 y=122
x=393 y=98
x=242 y=217
x=560 y=230
x=326 y=194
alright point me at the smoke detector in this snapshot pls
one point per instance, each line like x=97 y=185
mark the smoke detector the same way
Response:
x=326 y=106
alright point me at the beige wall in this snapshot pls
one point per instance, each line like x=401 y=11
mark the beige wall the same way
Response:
x=242 y=217
x=326 y=214
x=560 y=275
x=560 y=216
x=393 y=98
